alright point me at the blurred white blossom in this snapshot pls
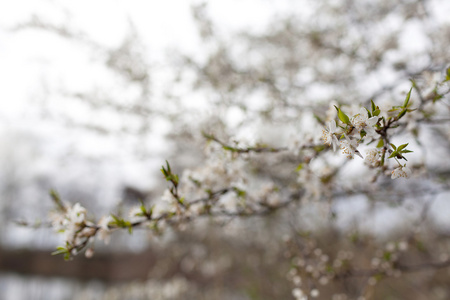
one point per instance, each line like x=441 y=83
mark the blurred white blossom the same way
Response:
x=372 y=157
x=401 y=171
x=104 y=232
x=329 y=135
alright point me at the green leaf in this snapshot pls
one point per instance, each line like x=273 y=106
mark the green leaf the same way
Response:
x=408 y=96
x=299 y=167
x=240 y=193
x=401 y=147
x=116 y=219
x=166 y=171
x=362 y=133
x=319 y=148
x=393 y=154
x=401 y=114
x=57 y=200
x=342 y=116
x=150 y=213
x=60 y=250
x=373 y=105
x=393 y=146
x=120 y=222
x=383 y=155
x=380 y=143
x=54 y=195
x=228 y=148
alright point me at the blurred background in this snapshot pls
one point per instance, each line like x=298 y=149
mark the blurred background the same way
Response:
x=96 y=95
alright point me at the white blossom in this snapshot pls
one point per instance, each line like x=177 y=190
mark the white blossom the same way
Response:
x=348 y=147
x=104 y=222
x=166 y=204
x=298 y=294
x=136 y=214
x=89 y=253
x=104 y=233
x=372 y=156
x=168 y=197
x=361 y=121
x=297 y=280
x=76 y=214
x=58 y=219
x=402 y=171
x=229 y=202
x=329 y=135
x=314 y=293
x=135 y=211
x=74 y=222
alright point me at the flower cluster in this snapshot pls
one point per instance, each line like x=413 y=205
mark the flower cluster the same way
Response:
x=368 y=126
x=79 y=232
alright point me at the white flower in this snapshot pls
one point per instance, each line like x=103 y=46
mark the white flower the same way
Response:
x=74 y=221
x=58 y=220
x=349 y=146
x=314 y=293
x=362 y=121
x=76 y=214
x=298 y=294
x=168 y=197
x=229 y=202
x=328 y=135
x=402 y=171
x=104 y=231
x=372 y=156
x=104 y=221
x=89 y=253
x=136 y=214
